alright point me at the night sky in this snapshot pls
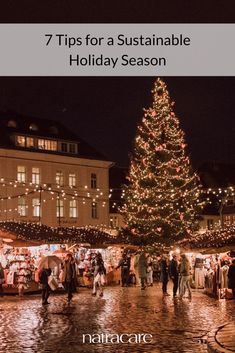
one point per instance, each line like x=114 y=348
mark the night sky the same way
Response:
x=105 y=111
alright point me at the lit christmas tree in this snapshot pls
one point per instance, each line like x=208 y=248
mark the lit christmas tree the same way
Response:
x=161 y=199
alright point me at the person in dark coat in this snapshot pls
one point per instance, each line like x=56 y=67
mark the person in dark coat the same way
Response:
x=69 y=276
x=231 y=277
x=164 y=274
x=125 y=264
x=43 y=279
x=174 y=274
x=99 y=272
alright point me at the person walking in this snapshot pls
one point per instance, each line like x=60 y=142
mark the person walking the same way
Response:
x=142 y=269
x=156 y=269
x=149 y=270
x=164 y=274
x=231 y=277
x=43 y=279
x=1 y=279
x=69 y=276
x=185 y=276
x=125 y=264
x=136 y=261
x=174 y=274
x=99 y=275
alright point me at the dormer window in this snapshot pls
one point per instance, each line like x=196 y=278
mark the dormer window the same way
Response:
x=72 y=148
x=33 y=127
x=12 y=123
x=68 y=147
x=49 y=145
x=20 y=141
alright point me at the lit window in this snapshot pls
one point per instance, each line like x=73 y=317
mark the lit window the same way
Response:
x=59 y=208
x=29 y=142
x=41 y=144
x=22 y=206
x=72 y=180
x=94 y=213
x=93 y=181
x=21 y=174
x=73 y=209
x=20 y=141
x=48 y=145
x=35 y=175
x=33 y=127
x=210 y=223
x=228 y=219
x=59 y=178
x=72 y=148
x=113 y=222
x=36 y=207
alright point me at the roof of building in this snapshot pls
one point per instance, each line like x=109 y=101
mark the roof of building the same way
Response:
x=12 y=123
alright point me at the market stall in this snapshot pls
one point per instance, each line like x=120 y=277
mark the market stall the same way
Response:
x=23 y=245
x=211 y=254
x=20 y=264
x=210 y=273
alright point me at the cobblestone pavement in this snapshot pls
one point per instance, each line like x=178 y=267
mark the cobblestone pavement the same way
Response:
x=177 y=326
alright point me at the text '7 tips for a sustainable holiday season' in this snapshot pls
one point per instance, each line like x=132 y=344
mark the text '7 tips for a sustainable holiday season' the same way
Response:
x=120 y=40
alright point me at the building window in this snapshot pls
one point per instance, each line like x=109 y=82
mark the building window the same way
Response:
x=64 y=147
x=36 y=207
x=94 y=213
x=93 y=181
x=73 y=209
x=30 y=142
x=210 y=223
x=72 y=180
x=20 y=141
x=48 y=145
x=113 y=222
x=72 y=148
x=228 y=219
x=59 y=208
x=35 y=175
x=59 y=178
x=21 y=174
x=22 y=206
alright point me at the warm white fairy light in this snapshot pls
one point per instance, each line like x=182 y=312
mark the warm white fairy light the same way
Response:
x=162 y=195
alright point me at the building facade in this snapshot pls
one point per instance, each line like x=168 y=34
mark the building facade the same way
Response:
x=49 y=175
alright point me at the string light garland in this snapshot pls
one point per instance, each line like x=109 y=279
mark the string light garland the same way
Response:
x=28 y=231
x=95 y=236
x=52 y=191
x=223 y=236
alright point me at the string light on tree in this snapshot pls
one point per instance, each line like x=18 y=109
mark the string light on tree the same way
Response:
x=162 y=197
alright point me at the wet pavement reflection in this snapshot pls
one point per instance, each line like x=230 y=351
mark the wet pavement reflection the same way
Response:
x=177 y=326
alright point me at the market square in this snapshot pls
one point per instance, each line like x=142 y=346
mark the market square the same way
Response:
x=98 y=251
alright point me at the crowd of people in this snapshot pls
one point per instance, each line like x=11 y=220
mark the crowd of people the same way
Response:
x=69 y=279
x=147 y=267
x=139 y=269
